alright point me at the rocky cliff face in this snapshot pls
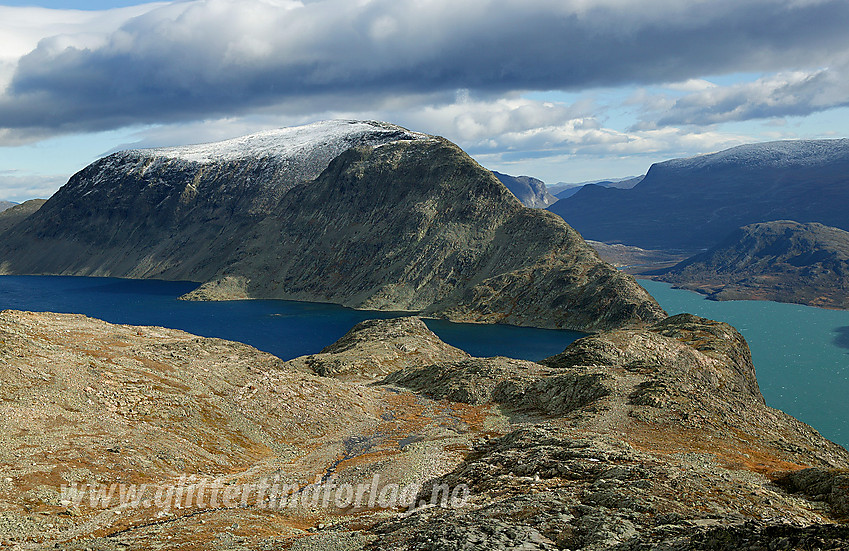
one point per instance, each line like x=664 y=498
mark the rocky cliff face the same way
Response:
x=367 y=215
x=695 y=203
x=783 y=261
x=631 y=439
x=530 y=191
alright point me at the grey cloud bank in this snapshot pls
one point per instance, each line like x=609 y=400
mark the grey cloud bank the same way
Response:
x=195 y=60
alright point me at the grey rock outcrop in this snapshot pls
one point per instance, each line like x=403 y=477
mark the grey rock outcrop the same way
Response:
x=829 y=486
x=379 y=347
x=516 y=383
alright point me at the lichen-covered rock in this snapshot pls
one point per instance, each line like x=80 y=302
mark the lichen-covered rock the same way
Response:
x=699 y=353
x=550 y=488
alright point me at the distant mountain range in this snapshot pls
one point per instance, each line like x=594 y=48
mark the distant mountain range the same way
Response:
x=696 y=202
x=562 y=190
x=530 y=191
x=364 y=214
x=6 y=205
x=783 y=261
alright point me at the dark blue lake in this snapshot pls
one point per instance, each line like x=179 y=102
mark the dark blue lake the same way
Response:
x=801 y=353
x=284 y=328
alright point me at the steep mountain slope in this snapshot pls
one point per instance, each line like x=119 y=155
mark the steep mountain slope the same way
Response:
x=694 y=203
x=367 y=215
x=530 y=191
x=783 y=261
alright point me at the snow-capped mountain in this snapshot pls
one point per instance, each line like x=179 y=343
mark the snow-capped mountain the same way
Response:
x=364 y=214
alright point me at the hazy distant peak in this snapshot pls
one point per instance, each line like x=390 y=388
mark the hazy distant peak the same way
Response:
x=532 y=192
x=290 y=142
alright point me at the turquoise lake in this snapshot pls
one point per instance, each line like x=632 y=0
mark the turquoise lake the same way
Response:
x=801 y=353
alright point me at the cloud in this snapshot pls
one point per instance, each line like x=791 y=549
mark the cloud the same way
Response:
x=205 y=59
x=691 y=85
x=23 y=28
x=513 y=133
x=785 y=94
x=18 y=187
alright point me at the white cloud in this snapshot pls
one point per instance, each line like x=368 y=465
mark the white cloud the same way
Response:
x=185 y=61
x=23 y=28
x=691 y=85
x=784 y=94
x=18 y=187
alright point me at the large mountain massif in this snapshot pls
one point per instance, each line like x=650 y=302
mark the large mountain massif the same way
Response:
x=695 y=203
x=364 y=214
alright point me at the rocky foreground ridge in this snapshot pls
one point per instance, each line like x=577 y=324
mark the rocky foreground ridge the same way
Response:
x=783 y=261
x=654 y=438
x=363 y=214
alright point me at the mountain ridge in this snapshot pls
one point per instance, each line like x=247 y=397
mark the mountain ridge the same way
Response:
x=648 y=439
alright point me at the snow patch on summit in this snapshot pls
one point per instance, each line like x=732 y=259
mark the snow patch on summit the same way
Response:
x=297 y=141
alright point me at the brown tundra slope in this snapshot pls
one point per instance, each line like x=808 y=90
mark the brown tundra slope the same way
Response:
x=654 y=438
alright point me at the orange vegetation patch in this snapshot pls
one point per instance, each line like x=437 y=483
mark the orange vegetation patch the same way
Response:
x=731 y=453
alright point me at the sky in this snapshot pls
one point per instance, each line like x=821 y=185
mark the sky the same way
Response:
x=562 y=90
